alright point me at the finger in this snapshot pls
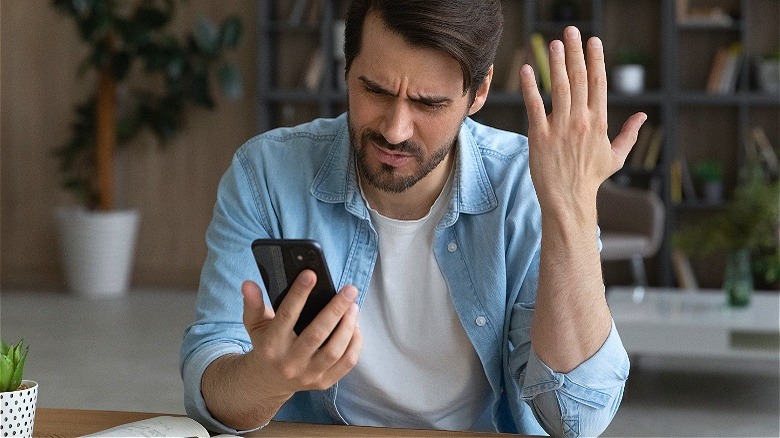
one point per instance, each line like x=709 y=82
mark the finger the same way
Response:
x=315 y=334
x=597 y=80
x=339 y=341
x=256 y=313
x=561 y=90
x=625 y=140
x=575 y=67
x=348 y=360
x=534 y=105
x=290 y=309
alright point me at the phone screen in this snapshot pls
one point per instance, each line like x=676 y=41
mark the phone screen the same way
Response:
x=280 y=261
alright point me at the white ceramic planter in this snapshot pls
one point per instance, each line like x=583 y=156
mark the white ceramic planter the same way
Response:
x=629 y=78
x=769 y=76
x=97 y=250
x=17 y=410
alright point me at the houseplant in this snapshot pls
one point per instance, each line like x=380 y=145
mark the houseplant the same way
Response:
x=709 y=175
x=17 y=396
x=746 y=230
x=145 y=79
x=628 y=75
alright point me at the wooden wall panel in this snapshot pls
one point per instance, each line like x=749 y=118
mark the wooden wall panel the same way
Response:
x=174 y=188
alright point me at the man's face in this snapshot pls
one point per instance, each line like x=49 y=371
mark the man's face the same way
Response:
x=406 y=105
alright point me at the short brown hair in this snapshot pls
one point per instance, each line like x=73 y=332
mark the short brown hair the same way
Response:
x=467 y=30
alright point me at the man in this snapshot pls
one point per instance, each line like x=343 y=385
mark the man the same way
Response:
x=465 y=303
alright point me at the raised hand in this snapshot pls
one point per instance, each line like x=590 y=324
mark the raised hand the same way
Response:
x=570 y=151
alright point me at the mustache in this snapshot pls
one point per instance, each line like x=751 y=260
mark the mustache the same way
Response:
x=406 y=146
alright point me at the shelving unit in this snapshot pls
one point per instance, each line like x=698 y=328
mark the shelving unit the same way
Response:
x=697 y=124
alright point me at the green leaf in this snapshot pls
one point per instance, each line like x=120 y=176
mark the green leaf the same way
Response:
x=153 y=18
x=230 y=81
x=206 y=36
x=16 y=378
x=231 y=32
x=6 y=373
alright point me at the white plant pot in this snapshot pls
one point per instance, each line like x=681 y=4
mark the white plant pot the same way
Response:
x=97 y=250
x=629 y=78
x=769 y=76
x=17 y=410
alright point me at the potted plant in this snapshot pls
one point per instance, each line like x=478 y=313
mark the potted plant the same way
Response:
x=145 y=79
x=18 y=397
x=628 y=75
x=747 y=230
x=709 y=175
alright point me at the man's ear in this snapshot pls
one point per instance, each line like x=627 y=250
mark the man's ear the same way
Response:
x=482 y=92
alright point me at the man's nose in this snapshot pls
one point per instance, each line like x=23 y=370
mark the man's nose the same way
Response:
x=398 y=125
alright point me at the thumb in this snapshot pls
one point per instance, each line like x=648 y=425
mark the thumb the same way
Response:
x=256 y=313
x=624 y=141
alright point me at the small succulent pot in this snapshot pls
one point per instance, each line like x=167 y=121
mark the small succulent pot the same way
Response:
x=17 y=410
x=629 y=78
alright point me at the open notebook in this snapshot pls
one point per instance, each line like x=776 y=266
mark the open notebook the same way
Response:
x=162 y=426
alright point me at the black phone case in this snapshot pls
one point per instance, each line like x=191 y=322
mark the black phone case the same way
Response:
x=281 y=260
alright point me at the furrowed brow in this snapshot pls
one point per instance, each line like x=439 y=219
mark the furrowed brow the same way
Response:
x=426 y=100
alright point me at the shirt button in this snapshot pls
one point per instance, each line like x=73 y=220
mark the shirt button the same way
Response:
x=452 y=247
x=481 y=320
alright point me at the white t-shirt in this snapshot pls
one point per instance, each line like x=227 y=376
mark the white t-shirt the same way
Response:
x=418 y=368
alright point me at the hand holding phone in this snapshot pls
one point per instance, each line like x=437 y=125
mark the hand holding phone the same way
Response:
x=280 y=261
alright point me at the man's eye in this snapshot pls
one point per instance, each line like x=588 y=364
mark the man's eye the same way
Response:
x=433 y=106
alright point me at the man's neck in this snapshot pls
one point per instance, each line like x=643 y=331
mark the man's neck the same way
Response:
x=413 y=203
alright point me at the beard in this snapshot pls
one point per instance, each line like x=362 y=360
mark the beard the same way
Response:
x=385 y=177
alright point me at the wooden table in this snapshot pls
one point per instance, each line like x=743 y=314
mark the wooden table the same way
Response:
x=74 y=422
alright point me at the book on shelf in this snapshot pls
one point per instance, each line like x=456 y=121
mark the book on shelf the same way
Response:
x=160 y=426
x=683 y=270
x=312 y=75
x=297 y=11
x=522 y=55
x=724 y=69
x=654 y=146
x=637 y=156
x=688 y=186
x=542 y=59
x=699 y=15
x=760 y=149
x=305 y=12
x=681 y=185
x=675 y=182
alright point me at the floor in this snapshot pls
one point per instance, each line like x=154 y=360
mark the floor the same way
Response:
x=122 y=354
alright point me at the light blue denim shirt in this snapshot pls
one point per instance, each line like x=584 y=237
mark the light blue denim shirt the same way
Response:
x=301 y=183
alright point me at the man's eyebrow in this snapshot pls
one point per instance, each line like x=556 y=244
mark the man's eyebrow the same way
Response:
x=427 y=100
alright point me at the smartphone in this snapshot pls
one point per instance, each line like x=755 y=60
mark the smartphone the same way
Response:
x=281 y=260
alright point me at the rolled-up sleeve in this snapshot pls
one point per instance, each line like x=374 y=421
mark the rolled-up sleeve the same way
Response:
x=583 y=401
x=193 y=367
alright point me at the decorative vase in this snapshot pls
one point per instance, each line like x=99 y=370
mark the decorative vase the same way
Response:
x=629 y=78
x=97 y=250
x=738 y=280
x=17 y=410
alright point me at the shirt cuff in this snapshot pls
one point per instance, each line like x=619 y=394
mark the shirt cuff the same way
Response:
x=192 y=374
x=591 y=382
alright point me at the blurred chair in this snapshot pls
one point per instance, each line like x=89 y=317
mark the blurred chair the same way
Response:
x=632 y=226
